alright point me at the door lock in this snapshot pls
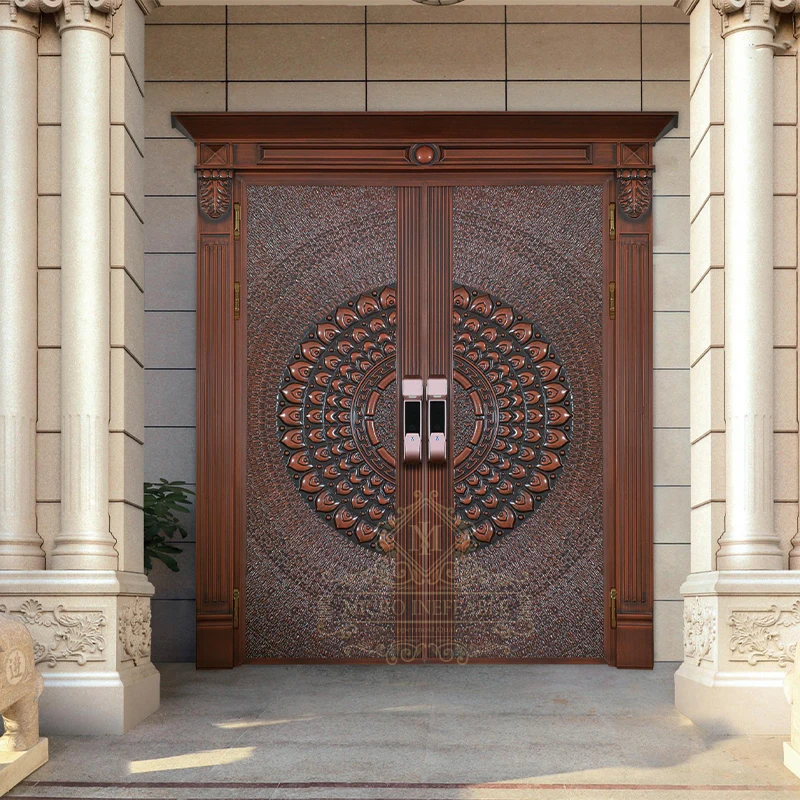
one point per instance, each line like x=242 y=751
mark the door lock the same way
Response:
x=412 y=420
x=437 y=419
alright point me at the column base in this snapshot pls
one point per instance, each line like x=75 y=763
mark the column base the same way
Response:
x=98 y=702
x=741 y=632
x=92 y=636
x=731 y=703
x=791 y=758
x=15 y=766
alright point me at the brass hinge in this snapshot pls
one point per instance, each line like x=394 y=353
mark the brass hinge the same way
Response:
x=612 y=220
x=235 y=608
x=237 y=299
x=237 y=219
x=612 y=300
x=613 y=597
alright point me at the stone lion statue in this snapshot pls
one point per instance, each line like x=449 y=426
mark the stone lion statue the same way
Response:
x=20 y=686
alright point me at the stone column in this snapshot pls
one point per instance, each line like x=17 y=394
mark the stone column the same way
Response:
x=741 y=626
x=20 y=545
x=84 y=540
x=750 y=540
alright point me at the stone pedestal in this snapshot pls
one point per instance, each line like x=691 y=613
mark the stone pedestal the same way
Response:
x=791 y=749
x=16 y=766
x=741 y=630
x=91 y=630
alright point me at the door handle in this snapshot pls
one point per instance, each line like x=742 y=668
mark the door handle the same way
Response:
x=412 y=420
x=437 y=419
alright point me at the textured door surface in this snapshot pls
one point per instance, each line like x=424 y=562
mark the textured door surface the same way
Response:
x=528 y=421
x=321 y=300
x=496 y=552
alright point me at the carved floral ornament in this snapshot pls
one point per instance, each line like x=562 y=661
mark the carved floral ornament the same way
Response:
x=770 y=635
x=135 y=633
x=60 y=635
x=699 y=630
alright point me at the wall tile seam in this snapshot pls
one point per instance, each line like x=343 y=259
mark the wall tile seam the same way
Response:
x=122 y=268
x=170 y=427
x=127 y=350
x=130 y=205
x=703 y=134
x=706 y=274
x=708 y=349
x=121 y=502
x=705 y=434
x=693 y=89
x=129 y=275
x=127 y=130
x=128 y=434
x=449 y=24
x=409 y=81
x=706 y=201
x=139 y=87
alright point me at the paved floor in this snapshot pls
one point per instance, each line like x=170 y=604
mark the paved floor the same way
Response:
x=415 y=733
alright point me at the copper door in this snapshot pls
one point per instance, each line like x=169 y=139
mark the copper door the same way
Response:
x=467 y=316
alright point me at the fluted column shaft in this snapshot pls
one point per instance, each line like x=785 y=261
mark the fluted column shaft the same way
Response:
x=750 y=540
x=84 y=540
x=20 y=545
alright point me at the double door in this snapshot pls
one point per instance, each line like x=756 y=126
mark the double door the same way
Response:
x=426 y=399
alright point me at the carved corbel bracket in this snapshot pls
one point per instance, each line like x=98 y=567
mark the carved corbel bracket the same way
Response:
x=634 y=191
x=634 y=178
x=214 y=191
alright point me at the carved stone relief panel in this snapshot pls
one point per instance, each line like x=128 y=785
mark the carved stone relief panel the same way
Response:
x=769 y=635
x=60 y=634
x=135 y=632
x=699 y=630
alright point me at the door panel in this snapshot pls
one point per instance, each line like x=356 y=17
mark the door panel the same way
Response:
x=321 y=306
x=494 y=552
x=528 y=420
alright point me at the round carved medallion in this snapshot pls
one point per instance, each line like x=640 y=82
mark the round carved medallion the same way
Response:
x=511 y=422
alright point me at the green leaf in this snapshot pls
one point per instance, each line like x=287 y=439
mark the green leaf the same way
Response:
x=163 y=502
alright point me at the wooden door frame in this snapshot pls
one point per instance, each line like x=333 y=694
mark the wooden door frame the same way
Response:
x=386 y=148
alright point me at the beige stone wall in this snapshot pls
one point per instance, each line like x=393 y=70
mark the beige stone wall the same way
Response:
x=534 y=58
x=126 y=285
x=707 y=283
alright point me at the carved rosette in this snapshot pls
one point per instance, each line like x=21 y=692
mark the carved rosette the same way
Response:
x=699 y=630
x=61 y=635
x=770 y=635
x=214 y=191
x=336 y=418
x=135 y=632
x=634 y=191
